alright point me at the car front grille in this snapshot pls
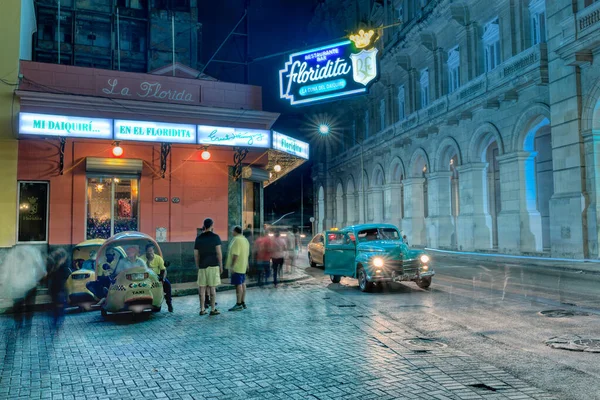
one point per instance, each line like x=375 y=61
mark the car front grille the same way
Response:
x=404 y=266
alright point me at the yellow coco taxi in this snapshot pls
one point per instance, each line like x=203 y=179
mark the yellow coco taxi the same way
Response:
x=133 y=287
x=84 y=271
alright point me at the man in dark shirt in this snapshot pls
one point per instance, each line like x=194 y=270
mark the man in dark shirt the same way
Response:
x=209 y=260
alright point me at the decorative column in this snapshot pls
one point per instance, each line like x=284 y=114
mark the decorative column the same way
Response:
x=413 y=223
x=440 y=224
x=350 y=200
x=519 y=222
x=474 y=220
x=375 y=205
x=392 y=196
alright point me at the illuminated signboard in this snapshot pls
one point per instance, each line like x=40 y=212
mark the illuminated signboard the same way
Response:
x=148 y=131
x=241 y=137
x=329 y=72
x=290 y=145
x=65 y=126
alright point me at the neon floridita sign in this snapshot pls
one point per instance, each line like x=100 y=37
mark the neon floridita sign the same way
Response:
x=330 y=72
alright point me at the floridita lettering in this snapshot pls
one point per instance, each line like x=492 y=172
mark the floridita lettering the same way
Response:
x=291 y=146
x=301 y=73
x=251 y=137
x=151 y=90
x=151 y=131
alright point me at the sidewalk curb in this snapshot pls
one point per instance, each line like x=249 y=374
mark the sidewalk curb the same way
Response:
x=45 y=305
x=227 y=287
x=576 y=266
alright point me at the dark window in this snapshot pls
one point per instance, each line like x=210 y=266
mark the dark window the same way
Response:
x=133 y=36
x=91 y=32
x=175 y=5
x=33 y=212
x=135 y=4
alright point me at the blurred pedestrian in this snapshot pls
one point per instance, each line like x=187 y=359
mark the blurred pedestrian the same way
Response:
x=207 y=295
x=209 y=261
x=20 y=272
x=58 y=273
x=157 y=264
x=405 y=239
x=237 y=263
x=291 y=250
x=262 y=255
x=278 y=249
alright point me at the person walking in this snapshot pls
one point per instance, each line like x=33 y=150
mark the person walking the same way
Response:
x=209 y=261
x=277 y=256
x=262 y=255
x=157 y=264
x=237 y=263
x=58 y=273
x=291 y=247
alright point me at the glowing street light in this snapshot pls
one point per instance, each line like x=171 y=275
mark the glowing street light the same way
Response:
x=324 y=129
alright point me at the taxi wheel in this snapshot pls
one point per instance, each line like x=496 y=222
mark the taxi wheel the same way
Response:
x=363 y=282
x=311 y=262
x=424 y=283
x=335 y=278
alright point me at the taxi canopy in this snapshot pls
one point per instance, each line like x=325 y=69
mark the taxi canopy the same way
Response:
x=123 y=242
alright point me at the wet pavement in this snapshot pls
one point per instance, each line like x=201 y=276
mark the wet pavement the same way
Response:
x=477 y=333
x=519 y=318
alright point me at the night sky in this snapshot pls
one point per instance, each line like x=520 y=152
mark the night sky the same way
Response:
x=276 y=26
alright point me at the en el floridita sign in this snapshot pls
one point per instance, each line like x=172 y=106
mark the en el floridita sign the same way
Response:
x=341 y=69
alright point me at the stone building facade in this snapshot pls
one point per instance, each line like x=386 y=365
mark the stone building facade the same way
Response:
x=482 y=133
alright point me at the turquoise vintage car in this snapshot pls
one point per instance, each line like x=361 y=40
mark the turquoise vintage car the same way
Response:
x=374 y=253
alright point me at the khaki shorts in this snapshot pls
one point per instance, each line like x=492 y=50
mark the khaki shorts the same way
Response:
x=210 y=276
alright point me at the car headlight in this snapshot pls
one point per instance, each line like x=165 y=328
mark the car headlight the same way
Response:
x=424 y=259
x=378 y=262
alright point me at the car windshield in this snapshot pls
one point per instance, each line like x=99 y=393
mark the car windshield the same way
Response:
x=368 y=235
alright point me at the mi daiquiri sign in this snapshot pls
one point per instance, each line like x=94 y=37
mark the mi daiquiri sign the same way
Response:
x=338 y=70
x=66 y=126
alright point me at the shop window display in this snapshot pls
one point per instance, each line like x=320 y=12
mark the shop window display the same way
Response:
x=111 y=206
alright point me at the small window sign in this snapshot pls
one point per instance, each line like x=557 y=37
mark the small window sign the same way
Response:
x=33 y=212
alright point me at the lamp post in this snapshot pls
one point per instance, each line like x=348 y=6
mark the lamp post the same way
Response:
x=324 y=130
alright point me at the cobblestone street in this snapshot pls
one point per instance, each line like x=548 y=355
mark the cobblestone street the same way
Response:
x=298 y=341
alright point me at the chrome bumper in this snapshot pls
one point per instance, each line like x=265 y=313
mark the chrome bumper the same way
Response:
x=396 y=277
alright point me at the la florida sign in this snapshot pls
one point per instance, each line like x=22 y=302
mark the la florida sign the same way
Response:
x=341 y=69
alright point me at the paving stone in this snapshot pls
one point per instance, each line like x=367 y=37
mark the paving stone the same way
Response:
x=291 y=343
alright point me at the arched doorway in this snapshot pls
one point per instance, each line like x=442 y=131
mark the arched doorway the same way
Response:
x=320 y=209
x=416 y=199
x=446 y=194
x=539 y=180
x=339 y=206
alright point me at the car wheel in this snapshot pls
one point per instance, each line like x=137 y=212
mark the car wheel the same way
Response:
x=424 y=283
x=311 y=262
x=156 y=309
x=363 y=282
x=103 y=313
x=335 y=278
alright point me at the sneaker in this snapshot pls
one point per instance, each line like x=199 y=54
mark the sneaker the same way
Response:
x=203 y=312
x=237 y=307
x=170 y=307
x=215 y=312
x=244 y=306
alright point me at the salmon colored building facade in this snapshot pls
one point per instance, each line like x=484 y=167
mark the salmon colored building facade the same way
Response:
x=192 y=148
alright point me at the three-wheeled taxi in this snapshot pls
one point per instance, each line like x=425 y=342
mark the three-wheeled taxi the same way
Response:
x=134 y=287
x=84 y=271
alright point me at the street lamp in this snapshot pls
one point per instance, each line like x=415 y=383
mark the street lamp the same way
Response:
x=324 y=130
